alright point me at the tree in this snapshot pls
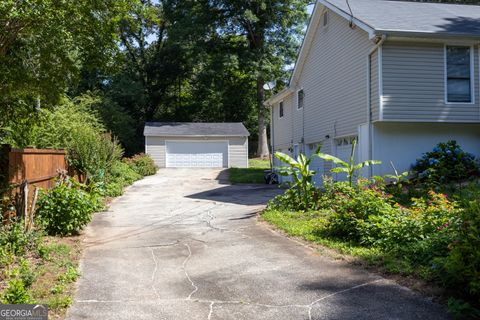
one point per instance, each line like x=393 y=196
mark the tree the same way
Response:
x=272 y=30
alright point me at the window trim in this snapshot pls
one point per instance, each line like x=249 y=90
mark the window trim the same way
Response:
x=298 y=100
x=472 y=73
x=281 y=105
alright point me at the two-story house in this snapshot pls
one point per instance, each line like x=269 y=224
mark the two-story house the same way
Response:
x=398 y=76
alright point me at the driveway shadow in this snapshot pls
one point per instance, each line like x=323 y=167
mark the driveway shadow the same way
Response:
x=239 y=194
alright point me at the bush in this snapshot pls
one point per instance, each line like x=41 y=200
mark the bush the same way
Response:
x=67 y=208
x=446 y=163
x=142 y=164
x=120 y=176
x=93 y=155
x=14 y=239
x=460 y=269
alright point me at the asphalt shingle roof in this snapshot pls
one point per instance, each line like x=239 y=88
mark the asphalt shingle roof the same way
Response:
x=439 y=19
x=195 y=129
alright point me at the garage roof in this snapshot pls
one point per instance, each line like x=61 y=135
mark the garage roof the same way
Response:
x=175 y=129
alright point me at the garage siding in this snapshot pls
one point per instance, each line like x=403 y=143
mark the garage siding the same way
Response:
x=238 y=149
x=238 y=152
x=155 y=147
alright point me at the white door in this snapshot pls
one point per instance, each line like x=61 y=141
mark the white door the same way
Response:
x=316 y=164
x=343 y=150
x=196 y=154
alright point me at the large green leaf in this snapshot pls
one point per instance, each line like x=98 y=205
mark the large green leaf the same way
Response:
x=367 y=163
x=286 y=158
x=334 y=159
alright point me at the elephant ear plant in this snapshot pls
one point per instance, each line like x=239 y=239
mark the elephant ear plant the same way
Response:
x=299 y=170
x=350 y=167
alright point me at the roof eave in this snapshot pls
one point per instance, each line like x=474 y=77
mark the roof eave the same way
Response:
x=423 y=34
x=278 y=97
x=195 y=135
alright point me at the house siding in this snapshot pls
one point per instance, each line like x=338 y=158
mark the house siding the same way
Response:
x=374 y=87
x=237 y=155
x=414 y=85
x=334 y=80
x=282 y=127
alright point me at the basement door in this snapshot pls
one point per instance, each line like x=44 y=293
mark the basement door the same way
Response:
x=196 y=154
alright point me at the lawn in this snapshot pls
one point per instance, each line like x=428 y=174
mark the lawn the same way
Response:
x=253 y=174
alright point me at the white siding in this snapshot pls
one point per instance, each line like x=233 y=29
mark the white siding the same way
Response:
x=238 y=149
x=155 y=147
x=282 y=127
x=403 y=143
x=414 y=85
x=238 y=152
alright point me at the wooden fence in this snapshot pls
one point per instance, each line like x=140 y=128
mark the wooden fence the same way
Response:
x=38 y=167
x=28 y=170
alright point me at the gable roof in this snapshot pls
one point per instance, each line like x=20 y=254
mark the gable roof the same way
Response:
x=195 y=129
x=407 y=18
x=392 y=18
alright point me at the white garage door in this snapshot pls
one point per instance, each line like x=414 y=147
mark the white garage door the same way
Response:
x=197 y=154
x=343 y=150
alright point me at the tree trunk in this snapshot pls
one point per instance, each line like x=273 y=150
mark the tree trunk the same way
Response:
x=262 y=150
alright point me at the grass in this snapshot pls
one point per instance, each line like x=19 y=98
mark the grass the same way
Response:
x=51 y=272
x=253 y=174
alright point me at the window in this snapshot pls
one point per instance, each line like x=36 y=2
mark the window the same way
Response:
x=300 y=98
x=280 y=110
x=325 y=18
x=458 y=74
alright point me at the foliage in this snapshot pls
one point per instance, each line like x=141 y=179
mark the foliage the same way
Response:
x=142 y=164
x=302 y=192
x=253 y=174
x=120 y=176
x=350 y=167
x=16 y=292
x=67 y=208
x=14 y=239
x=93 y=155
x=461 y=267
x=446 y=163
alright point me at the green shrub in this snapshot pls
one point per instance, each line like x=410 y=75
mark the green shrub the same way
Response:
x=446 y=163
x=460 y=269
x=142 y=164
x=16 y=292
x=121 y=171
x=14 y=239
x=93 y=155
x=66 y=209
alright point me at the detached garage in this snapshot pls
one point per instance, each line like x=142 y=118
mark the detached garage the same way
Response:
x=197 y=145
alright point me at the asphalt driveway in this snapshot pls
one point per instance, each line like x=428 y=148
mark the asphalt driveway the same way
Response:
x=184 y=244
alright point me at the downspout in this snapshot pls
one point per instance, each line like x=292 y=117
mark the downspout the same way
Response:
x=272 y=136
x=369 y=98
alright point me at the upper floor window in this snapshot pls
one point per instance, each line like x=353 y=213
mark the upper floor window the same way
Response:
x=325 y=18
x=458 y=74
x=280 y=110
x=300 y=99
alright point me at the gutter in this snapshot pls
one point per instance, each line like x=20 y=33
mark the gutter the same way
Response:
x=369 y=98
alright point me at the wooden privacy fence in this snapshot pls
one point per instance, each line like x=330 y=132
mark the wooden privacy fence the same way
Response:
x=28 y=170
x=38 y=167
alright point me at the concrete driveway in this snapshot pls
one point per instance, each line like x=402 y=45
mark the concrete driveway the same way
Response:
x=184 y=244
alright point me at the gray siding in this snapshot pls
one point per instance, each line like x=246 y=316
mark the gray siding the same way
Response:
x=334 y=81
x=374 y=86
x=238 y=149
x=282 y=127
x=414 y=85
x=238 y=152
